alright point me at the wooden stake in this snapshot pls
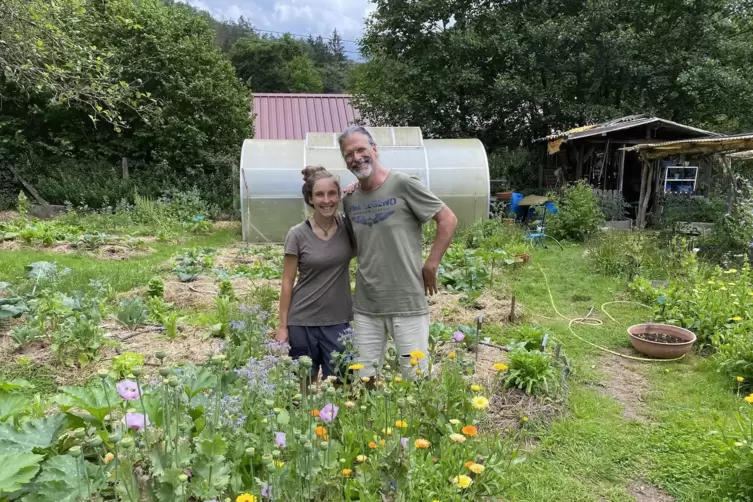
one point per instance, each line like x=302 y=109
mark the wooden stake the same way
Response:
x=512 y=309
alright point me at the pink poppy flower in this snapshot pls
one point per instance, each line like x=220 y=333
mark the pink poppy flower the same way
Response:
x=128 y=390
x=136 y=421
x=328 y=413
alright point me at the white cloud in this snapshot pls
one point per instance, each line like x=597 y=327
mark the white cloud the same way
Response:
x=305 y=17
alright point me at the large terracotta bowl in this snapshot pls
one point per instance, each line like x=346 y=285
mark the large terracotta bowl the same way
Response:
x=661 y=350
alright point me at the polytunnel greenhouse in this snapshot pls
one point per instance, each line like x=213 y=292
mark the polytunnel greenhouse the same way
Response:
x=456 y=170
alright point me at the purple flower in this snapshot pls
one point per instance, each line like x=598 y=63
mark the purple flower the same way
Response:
x=328 y=413
x=458 y=336
x=266 y=491
x=128 y=390
x=136 y=421
x=404 y=442
x=280 y=439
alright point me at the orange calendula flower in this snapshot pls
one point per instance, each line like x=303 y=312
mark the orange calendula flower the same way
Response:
x=347 y=472
x=476 y=468
x=469 y=430
x=422 y=443
x=469 y=463
x=372 y=444
x=314 y=413
x=349 y=404
x=109 y=458
x=321 y=432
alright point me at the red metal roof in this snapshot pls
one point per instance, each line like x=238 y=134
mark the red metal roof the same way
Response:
x=291 y=116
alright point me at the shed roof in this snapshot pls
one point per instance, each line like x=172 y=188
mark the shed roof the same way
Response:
x=624 y=123
x=697 y=146
x=291 y=116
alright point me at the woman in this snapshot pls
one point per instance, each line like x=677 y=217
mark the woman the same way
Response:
x=317 y=309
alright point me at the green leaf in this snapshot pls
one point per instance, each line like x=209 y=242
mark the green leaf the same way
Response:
x=17 y=470
x=283 y=418
x=38 y=433
x=93 y=400
x=11 y=405
x=15 y=385
x=203 y=381
x=64 y=479
x=42 y=270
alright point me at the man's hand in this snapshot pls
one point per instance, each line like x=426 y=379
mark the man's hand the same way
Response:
x=350 y=188
x=430 y=277
x=282 y=335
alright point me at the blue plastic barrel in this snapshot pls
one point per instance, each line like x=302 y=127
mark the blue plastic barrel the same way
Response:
x=514 y=208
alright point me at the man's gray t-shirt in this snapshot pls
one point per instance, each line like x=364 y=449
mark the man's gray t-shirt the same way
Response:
x=387 y=227
x=321 y=296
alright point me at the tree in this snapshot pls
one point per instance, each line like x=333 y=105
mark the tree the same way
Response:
x=515 y=71
x=302 y=76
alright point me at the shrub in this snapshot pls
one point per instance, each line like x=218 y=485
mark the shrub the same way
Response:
x=579 y=215
x=612 y=204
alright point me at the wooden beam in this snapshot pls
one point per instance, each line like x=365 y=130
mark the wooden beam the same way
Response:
x=26 y=185
x=621 y=172
x=579 y=165
x=642 y=191
x=709 y=162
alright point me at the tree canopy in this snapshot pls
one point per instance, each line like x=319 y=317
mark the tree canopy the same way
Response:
x=508 y=72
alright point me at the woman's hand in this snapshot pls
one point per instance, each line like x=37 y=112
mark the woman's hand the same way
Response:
x=282 y=335
x=350 y=188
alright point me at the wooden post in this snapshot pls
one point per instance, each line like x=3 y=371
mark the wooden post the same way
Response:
x=646 y=196
x=512 y=309
x=730 y=180
x=579 y=165
x=124 y=163
x=621 y=172
x=541 y=170
x=709 y=163
x=642 y=194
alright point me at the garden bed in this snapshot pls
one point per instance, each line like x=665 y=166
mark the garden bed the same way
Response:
x=451 y=308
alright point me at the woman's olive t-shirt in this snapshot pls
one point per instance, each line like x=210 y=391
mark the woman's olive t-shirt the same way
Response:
x=321 y=295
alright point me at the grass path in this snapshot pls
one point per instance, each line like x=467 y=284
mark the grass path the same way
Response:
x=592 y=452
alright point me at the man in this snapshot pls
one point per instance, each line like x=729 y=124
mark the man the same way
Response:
x=386 y=211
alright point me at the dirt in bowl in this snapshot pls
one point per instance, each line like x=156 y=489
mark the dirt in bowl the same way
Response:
x=660 y=337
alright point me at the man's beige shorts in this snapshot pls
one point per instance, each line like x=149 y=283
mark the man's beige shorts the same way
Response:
x=409 y=333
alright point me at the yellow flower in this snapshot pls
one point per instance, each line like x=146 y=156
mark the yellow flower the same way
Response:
x=365 y=379
x=402 y=424
x=477 y=468
x=418 y=371
x=413 y=362
x=737 y=318
x=349 y=404
x=361 y=459
x=387 y=431
x=417 y=354
x=451 y=355
x=109 y=458
x=750 y=293
x=740 y=379
x=245 y=497
x=398 y=379
x=749 y=399
x=382 y=442
x=457 y=438
x=279 y=464
x=356 y=367
x=480 y=402
x=476 y=388
x=462 y=481
x=739 y=444
x=422 y=443
x=500 y=367
x=454 y=421
x=347 y=472
x=524 y=419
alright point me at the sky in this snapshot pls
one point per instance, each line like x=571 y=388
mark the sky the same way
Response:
x=315 y=17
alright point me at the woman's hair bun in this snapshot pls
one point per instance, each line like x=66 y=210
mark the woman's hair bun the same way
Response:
x=309 y=171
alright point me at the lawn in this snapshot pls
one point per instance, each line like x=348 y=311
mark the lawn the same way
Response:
x=623 y=429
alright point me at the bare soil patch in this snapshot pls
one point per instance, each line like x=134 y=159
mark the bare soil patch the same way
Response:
x=446 y=307
x=8 y=215
x=190 y=347
x=626 y=385
x=645 y=492
x=106 y=252
x=202 y=292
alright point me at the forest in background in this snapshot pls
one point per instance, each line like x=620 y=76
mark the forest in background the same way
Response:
x=87 y=83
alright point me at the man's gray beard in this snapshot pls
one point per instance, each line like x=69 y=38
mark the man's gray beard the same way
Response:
x=363 y=173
